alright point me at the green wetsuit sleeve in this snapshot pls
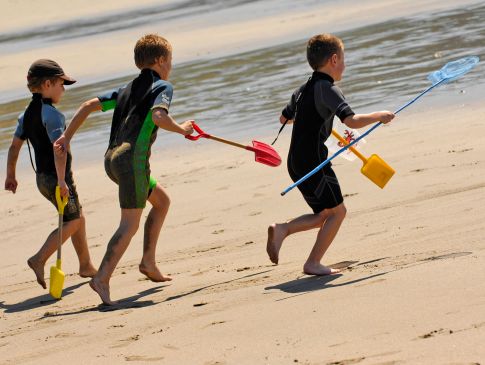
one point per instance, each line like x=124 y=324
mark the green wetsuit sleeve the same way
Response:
x=109 y=100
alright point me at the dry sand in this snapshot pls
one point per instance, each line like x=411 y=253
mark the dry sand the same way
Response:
x=412 y=293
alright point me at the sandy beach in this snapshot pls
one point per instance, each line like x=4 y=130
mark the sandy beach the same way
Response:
x=411 y=290
x=414 y=252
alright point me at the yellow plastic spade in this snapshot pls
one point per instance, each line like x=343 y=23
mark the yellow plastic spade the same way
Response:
x=375 y=168
x=56 y=282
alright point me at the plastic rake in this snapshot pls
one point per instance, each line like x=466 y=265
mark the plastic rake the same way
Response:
x=449 y=72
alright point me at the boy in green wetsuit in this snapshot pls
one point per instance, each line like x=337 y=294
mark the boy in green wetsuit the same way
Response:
x=42 y=124
x=140 y=108
x=312 y=109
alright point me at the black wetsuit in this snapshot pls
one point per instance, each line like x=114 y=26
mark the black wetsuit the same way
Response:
x=313 y=107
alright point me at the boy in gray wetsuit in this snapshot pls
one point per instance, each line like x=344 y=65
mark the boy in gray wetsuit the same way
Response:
x=42 y=124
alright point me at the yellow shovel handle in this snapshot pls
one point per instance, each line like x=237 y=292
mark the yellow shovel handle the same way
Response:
x=61 y=202
x=341 y=139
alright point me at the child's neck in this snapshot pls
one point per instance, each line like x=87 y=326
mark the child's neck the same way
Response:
x=42 y=93
x=155 y=69
x=326 y=70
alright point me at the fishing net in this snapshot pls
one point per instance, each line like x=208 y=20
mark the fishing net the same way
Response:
x=452 y=70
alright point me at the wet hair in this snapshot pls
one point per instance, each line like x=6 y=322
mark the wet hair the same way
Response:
x=321 y=47
x=35 y=83
x=149 y=48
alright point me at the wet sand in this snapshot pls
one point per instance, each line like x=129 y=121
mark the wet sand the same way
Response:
x=227 y=31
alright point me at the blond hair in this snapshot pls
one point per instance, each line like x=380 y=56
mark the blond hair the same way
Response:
x=321 y=47
x=149 y=48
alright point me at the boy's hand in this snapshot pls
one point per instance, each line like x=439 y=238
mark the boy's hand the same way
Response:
x=61 y=145
x=63 y=188
x=188 y=127
x=386 y=116
x=11 y=184
x=284 y=120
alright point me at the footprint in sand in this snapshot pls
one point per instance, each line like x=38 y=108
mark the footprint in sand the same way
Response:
x=215 y=323
x=125 y=342
x=435 y=332
x=200 y=304
x=143 y=358
x=347 y=362
x=447 y=256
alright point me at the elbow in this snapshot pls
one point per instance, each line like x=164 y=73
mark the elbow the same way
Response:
x=91 y=105
x=350 y=122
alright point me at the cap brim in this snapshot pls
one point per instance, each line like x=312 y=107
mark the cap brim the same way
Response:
x=67 y=80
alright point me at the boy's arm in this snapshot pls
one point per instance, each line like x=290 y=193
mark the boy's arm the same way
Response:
x=356 y=121
x=60 y=163
x=77 y=120
x=13 y=155
x=163 y=120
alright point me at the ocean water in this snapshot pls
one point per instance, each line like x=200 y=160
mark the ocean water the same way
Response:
x=241 y=96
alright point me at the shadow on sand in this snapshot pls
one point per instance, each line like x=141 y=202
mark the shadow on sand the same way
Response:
x=45 y=300
x=307 y=284
x=123 y=304
x=38 y=302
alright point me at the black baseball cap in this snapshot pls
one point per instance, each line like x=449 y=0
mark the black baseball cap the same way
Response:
x=49 y=68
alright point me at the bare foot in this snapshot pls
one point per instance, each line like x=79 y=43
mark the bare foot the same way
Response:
x=87 y=271
x=38 y=269
x=102 y=290
x=319 y=269
x=276 y=235
x=152 y=273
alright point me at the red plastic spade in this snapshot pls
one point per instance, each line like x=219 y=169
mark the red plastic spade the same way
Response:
x=264 y=153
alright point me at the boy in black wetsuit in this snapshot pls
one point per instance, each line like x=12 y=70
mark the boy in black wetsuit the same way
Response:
x=140 y=108
x=42 y=124
x=312 y=108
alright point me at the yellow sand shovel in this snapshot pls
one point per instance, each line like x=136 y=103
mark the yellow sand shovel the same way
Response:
x=375 y=168
x=56 y=282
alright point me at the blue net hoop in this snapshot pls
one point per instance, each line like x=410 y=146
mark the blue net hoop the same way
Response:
x=454 y=69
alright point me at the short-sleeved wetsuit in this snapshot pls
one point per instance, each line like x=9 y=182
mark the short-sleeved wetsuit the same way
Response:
x=42 y=124
x=132 y=135
x=313 y=107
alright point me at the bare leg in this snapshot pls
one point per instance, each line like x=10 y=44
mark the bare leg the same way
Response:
x=160 y=202
x=79 y=241
x=277 y=232
x=325 y=236
x=37 y=262
x=130 y=219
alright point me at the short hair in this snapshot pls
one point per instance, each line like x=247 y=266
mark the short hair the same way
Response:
x=321 y=47
x=35 y=83
x=149 y=48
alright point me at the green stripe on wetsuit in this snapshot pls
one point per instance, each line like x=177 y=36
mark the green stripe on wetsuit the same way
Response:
x=140 y=157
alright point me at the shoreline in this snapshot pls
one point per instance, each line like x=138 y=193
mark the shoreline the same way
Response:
x=243 y=28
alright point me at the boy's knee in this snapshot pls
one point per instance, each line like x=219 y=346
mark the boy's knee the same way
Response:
x=341 y=211
x=159 y=199
x=338 y=212
x=130 y=229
